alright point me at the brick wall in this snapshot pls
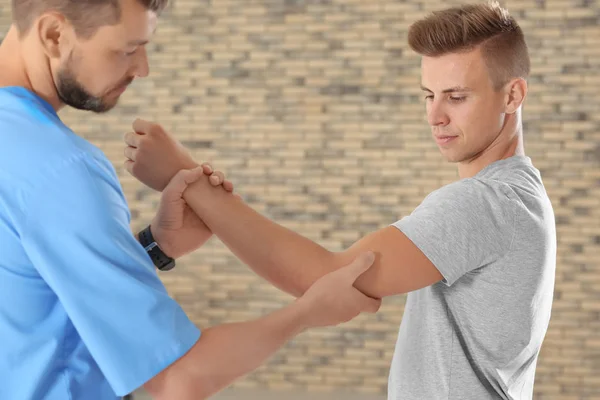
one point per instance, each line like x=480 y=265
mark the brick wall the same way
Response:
x=313 y=109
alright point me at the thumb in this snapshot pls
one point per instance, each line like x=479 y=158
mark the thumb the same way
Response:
x=360 y=264
x=190 y=176
x=182 y=180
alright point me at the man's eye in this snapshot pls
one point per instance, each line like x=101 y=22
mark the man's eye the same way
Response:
x=457 y=99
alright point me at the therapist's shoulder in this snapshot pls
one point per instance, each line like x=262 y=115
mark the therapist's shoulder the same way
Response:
x=38 y=146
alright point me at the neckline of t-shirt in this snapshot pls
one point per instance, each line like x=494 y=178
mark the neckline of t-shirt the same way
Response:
x=24 y=92
x=513 y=160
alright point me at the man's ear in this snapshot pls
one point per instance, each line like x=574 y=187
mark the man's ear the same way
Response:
x=516 y=91
x=55 y=34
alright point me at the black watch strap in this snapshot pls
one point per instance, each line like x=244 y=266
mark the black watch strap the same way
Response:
x=159 y=258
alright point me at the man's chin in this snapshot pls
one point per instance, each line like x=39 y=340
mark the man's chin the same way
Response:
x=108 y=106
x=97 y=109
x=110 y=101
x=104 y=106
x=449 y=157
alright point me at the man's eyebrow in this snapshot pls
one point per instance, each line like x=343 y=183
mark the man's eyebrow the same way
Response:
x=137 y=42
x=141 y=42
x=450 y=90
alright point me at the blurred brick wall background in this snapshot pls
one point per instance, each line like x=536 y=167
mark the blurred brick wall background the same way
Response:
x=313 y=109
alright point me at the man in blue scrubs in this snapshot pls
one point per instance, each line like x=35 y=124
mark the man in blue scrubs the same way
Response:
x=83 y=314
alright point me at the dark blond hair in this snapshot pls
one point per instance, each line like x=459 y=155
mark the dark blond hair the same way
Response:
x=487 y=26
x=85 y=15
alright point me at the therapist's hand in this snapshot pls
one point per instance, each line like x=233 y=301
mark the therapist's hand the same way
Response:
x=176 y=228
x=333 y=299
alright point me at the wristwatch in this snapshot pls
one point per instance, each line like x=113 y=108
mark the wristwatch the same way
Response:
x=159 y=258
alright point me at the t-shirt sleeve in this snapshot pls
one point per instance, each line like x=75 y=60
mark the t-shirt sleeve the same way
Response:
x=78 y=236
x=462 y=226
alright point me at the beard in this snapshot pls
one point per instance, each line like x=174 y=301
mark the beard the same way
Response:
x=72 y=93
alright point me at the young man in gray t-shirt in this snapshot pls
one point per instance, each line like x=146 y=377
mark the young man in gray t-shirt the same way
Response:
x=476 y=257
x=478 y=332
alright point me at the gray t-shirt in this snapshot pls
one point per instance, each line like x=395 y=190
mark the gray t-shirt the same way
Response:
x=477 y=333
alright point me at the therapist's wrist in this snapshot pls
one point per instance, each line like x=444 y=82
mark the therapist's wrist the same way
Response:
x=160 y=252
x=161 y=239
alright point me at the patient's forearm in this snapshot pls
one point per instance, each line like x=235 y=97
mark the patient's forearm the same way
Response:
x=283 y=257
